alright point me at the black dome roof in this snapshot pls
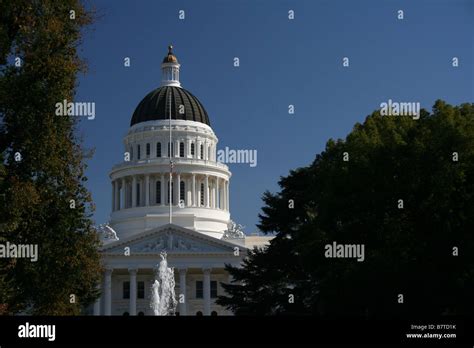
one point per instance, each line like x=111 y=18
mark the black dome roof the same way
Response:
x=155 y=106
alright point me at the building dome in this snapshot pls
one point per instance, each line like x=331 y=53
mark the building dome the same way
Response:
x=170 y=172
x=156 y=106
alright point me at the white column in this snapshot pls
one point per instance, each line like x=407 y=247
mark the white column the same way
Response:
x=221 y=194
x=227 y=200
x=168 y=189
x=147 y=190
x=214 y=193
x=206 y=192
x=224 y=196
x=198 y=197
x=176 y=148
x=154 y=180
x=175 y=187
x=108 y=292
x=162 y=189
x=194 y=190
x=141 y=180
x=133 y=291
x=182 y=289
x=122 y=198
x=188 y=191
x=218 y=193
x=210 y=192
x=134 y=191
x=178 y=188
x=207 y=290
x=198 y=148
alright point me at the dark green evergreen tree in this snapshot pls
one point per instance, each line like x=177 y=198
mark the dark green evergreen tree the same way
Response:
x=426 y=163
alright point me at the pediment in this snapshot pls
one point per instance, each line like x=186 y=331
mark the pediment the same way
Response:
x=172 y=239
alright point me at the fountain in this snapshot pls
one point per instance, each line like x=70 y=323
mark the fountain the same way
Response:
x=163 y=298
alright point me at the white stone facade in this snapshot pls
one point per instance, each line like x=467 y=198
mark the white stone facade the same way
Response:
x=198 y=261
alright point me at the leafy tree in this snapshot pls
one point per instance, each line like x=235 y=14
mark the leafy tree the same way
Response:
x=42 y=181
x=409 y=251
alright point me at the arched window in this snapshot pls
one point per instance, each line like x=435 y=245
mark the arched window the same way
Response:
x=214 y=314
x=209 y=153
x=170 y=148
x=182 y=190
x=148 y=149
x=138 y=151
x=192 y=149
x=181 y=149
x=158 y=149
x=199 y=313
x=158 y=192
x=172 y=196
x=202 y=194
x=201 y=152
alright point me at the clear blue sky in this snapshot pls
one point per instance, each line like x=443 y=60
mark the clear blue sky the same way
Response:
x=282 y=62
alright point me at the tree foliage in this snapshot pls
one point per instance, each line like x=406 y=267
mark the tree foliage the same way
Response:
x=38 y=190
x=409 y=251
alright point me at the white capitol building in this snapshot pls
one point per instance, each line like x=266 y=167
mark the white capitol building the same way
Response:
x=196 y=231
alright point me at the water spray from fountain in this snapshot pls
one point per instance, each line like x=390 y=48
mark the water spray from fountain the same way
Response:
x=163 y=298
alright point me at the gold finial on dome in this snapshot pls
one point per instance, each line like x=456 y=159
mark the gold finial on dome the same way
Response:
x=170 y=57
